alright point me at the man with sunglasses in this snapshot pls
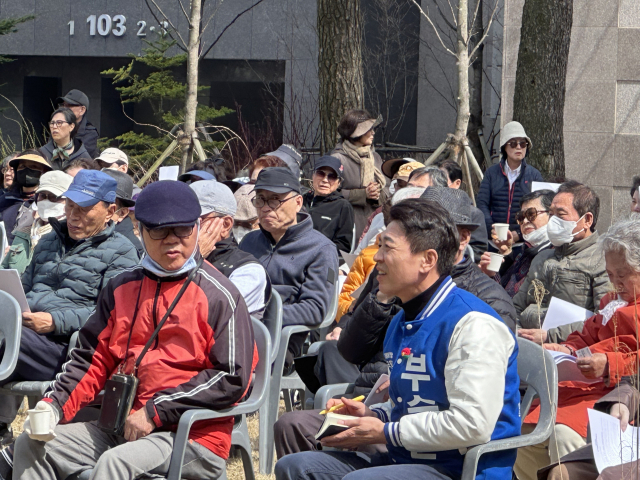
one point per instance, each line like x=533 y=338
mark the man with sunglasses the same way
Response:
x=301 y=262
x=331 y=213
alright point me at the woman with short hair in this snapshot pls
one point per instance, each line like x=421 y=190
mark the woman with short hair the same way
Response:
x=63 y=147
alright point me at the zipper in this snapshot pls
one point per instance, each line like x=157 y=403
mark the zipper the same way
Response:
x=155 y=318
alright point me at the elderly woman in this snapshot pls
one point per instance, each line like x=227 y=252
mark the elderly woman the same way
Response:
x=363 y=178
x=532 y=218
x=7 y=172
x=507 y=182
x=611 y=337
x=63 y=147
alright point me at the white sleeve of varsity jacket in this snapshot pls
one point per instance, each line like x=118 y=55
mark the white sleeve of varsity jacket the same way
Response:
x=251 y=281
x=475 y=371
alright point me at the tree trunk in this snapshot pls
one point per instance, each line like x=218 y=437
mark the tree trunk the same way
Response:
x=462 y=50
x=541 y=80
x=191 y=107
x=475 y=90
x=339 y=64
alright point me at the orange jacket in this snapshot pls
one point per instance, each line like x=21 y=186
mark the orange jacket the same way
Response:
x=359 y=272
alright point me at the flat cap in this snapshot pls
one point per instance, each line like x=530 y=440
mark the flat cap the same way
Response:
x=454 y=201
x=167 y=204
x=215 y=197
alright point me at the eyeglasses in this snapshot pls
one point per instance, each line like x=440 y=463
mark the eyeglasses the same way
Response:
x=57 y=123
x=273 y=203
x=530 y=214
x=515 y=144
x=330 y=176
x=163 y=232
x=47 y=196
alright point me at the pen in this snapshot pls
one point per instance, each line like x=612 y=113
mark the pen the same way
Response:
x=340 y=405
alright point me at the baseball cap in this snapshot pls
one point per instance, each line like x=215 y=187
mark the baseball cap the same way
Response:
x=404 y=172
x=113 y=155
x=214 y=197
x=185 y=177
x=328 y=161
x=277 y=180
x=167 y=203
x=245 y=211
x=454 y=201
x=75 y=97
x=124 y=190
x=56 y=182
x=91 y=186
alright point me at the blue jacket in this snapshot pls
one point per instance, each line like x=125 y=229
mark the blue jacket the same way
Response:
x=302 y=266
x=498 y=202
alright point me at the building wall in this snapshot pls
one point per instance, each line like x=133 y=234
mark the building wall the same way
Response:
x=602 y=107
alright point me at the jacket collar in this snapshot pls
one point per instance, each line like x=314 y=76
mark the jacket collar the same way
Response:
x=60 y=227
x=175 y=278
x=576 y=247
x=303 y=226
x=83 y=124
x=437 y=297
x=503 y=164
x=222 y=248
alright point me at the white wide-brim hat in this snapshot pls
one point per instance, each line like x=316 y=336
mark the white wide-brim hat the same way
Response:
x=513 y=130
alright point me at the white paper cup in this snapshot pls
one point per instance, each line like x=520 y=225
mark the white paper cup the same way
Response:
x=496 y=261
x=39 y=421
x=501 y=230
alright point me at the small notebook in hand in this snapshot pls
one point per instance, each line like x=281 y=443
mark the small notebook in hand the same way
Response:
x=331 y=425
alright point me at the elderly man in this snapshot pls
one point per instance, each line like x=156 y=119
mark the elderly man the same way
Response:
x=78 y=103
x=113 y=159
x=301 y=262
x=69 y=268
x=202 y=357
x=453 y=373
x=219 y=247
x=124 y=201
x=573 y=271
x=427 y=177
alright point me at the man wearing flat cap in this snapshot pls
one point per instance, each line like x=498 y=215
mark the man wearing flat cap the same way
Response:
x=301 y=262
x=68 y=269
x=202 y=357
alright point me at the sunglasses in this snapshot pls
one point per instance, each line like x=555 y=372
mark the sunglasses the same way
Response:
x=331 y=176
x=47 y=196
x=530 y=214
x=162 y=233
x=515 y=144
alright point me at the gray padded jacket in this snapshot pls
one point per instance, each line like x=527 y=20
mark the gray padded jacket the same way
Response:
x=66 y=282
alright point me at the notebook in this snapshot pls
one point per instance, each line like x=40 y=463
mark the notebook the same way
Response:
x=331 y=425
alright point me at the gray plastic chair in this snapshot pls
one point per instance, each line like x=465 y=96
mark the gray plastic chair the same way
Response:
x=272 y=319
x=327 y=392
x=10 y=328
x=269 y=410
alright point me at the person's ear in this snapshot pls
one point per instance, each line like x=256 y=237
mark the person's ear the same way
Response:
x=428 y=261
x=298 y=201
x=588 y=220
x=72 y=127
x=456 y=184
x=84 y=110
x=111 y=210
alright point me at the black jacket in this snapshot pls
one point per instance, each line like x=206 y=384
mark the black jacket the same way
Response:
x=333 y=217
x=125 y=227
x=479 y=238
x=10 y=204
x=468 y=276
x=227 y=257
x=88 y=135
x=78 y=152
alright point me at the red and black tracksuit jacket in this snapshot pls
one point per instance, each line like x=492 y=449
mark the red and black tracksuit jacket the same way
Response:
x=203 y=356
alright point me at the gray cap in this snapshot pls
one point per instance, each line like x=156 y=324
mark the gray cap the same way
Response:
x=214 y=197
x=454 y=201
x=124 y=191
x=289 y=155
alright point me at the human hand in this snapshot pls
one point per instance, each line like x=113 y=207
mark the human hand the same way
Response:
x=138 y=425
x=485 y=259
x=334 y=334
x=361 y=431
x=355 y=409
x=556 y=348
x=621 y=412
x=53 y=421
x=39 y=322
x=373 y=190
x=503 y=245
x=593 y=366
x=534 y=335
x=208 y=236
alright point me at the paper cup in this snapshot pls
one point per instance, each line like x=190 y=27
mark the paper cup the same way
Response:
x=39 y=421
x=496 y=261
x=501 y=230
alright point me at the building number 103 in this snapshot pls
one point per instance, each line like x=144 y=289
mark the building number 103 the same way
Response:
x=104 y=25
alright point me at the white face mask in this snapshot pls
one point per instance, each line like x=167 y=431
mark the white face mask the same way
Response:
x=48 y=209
x=240 y=232
x=392 y=187
x=537 y=237
x=560 y=231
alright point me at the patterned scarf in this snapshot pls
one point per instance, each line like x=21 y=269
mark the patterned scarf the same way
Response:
x=363 y=156
x=62 y=151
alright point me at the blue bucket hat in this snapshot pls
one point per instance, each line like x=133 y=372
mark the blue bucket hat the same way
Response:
x=90 y=187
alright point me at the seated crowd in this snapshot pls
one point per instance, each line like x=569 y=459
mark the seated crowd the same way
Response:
x=159 y=286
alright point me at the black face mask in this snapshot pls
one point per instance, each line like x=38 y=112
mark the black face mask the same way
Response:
x=28 y=177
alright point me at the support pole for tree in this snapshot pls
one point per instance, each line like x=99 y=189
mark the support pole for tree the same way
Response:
x=193 y=53
x=169 y=150
x=467 y=173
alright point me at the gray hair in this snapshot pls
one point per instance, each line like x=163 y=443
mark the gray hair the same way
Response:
x=438 y=177
x=624 y=237
x=406 y=192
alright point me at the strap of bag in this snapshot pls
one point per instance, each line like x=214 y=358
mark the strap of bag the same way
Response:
x=166 y=315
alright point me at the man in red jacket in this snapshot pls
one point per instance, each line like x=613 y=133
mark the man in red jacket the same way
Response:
x=202 y=357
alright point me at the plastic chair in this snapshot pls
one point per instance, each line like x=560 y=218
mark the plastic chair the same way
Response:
x=10 y=328
x=327 y=392
x=542 y=383
x=269 y=410
x=272 y=319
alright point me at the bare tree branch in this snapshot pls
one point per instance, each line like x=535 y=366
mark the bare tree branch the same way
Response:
x=425 y=15
x=452 y=26
x=486 y=30
x=453 y=15
x=211 y=17
x=184 y=44
x=228 y=26
x=184 y=11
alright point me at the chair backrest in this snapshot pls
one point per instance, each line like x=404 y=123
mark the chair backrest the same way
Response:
x=538 y=370
x=262 y=374
x=11 y=329
x=333 y=307
x=272 y=319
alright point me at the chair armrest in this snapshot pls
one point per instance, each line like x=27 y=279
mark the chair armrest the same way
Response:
x=329 y=391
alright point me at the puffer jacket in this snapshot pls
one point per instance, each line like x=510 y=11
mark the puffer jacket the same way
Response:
x=499 y=202
x=468 y=276
x=66 y=282
x=360 y=270
x=356 y=193
x=78 y=152
x=574 y=272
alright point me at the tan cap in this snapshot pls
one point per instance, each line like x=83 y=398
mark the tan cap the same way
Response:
x=113 y=155
x=31 y=158
x=56 y=182
x=364 y=127
x=245 y=210
x=405 y=170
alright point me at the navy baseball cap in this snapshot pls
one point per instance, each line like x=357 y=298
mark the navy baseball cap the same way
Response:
x=167 y=204
x=277 y=180
x=90 y=187
x=333 y=163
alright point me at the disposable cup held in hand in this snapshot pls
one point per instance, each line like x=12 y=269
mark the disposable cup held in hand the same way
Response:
x=495 y=262
x=39 y=421
x=501 y=231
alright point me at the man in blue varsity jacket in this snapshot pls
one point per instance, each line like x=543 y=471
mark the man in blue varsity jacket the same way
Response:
x=453 y=371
